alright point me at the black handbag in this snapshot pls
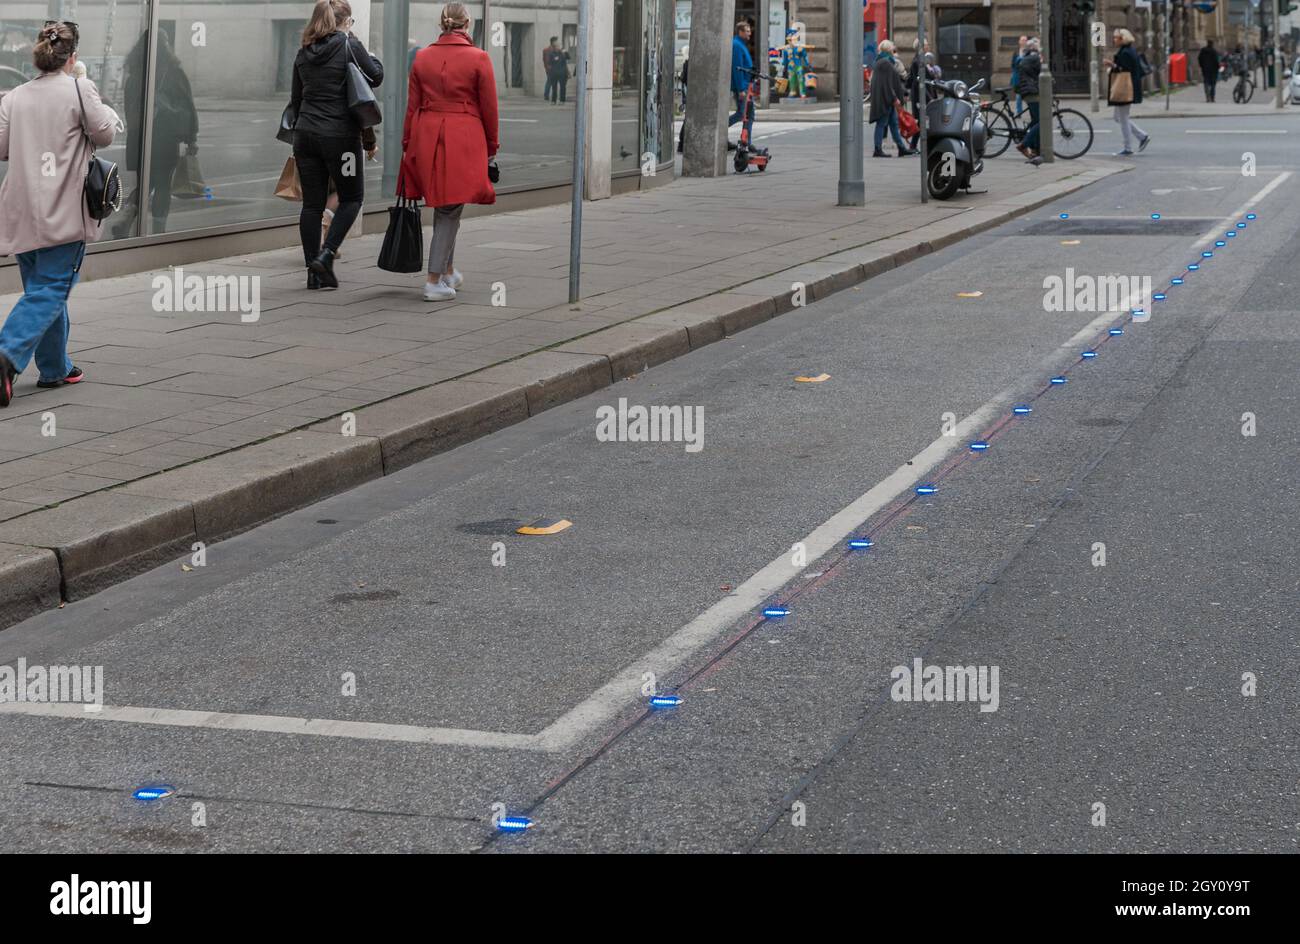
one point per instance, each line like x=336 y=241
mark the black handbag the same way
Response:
x=288 y=118
x=103 y=185
x=361 y=97
x=403 y=248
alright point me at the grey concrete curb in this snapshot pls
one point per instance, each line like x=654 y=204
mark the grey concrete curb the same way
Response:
x=77 y=548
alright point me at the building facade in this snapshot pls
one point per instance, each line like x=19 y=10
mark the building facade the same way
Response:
x=225 y=67
x=975 y=39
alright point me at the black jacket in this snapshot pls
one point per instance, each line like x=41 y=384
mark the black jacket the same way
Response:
x=1208 y=60
x=320 y=95
x=1031 y=64
x=1127 y=60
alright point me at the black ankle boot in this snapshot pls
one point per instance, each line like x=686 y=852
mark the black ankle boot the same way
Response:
x=313 y=280
x=323 y=266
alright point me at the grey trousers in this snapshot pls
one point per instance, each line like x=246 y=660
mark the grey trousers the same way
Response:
x=442 y=244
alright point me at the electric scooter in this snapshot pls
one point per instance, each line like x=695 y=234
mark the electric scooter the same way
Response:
x=955 y=138
x=747 y=153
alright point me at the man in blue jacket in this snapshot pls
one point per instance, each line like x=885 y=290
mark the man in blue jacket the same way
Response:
x=742 y=63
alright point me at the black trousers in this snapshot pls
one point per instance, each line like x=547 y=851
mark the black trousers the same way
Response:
x=322 y=159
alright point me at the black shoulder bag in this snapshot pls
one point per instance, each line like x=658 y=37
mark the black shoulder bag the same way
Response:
x=361 y=97
x=403 y=248
x=103 y=186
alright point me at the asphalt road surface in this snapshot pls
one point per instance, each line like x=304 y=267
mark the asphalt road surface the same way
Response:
x=1146 y=704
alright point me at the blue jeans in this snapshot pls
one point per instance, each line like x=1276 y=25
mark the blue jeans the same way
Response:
x=890 y=123
x=740 y=109
x=38 y=324
x=1031 y=136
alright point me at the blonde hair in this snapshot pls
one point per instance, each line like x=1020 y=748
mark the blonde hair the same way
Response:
x=887 y=45
x=1125 y=37
x=327 y=18
x=454 y=17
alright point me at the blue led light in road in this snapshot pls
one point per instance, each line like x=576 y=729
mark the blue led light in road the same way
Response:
x=1207 y=254
x=665 y=701
x=149 y=794
x=1193 y=266
x=1231 y=234
x=514 y=824
x=1088 y=355
x=776 y=612
x=1115 y=332
x=1250 y=216
x=861 y=544
x=1058 y=380
x=979 y=446
x=1176 y=281
x=1022 y=409
x=1159 y=296
x=1241 y=226
x=927 y=489
x=1155 y=216
x=1220 y=243
x=1065 y=216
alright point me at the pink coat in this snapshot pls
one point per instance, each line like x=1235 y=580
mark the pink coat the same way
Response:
x=451 y=124
x=41 y=199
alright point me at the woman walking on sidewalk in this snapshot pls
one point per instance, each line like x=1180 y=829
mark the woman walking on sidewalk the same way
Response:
x=43 y=216
x=887 y=93
x=1126 y=60
x=326 y=137
x=448 y=140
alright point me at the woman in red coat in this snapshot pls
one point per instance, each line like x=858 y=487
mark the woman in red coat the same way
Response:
x=449 y=137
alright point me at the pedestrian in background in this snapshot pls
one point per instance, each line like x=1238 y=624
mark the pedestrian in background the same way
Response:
x=1015 y=72
x=556 y=63
x=742 y=64
x=1031 y=66
x=1208 y=60
x=327 y=138
x=1127 y=60
x=48 y=122
x=448 y=138
x=887 y=94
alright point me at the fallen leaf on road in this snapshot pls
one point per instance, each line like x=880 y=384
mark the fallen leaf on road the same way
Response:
x=186 y=567
x=970 y=294
x=1071 y=242
x=820 y=378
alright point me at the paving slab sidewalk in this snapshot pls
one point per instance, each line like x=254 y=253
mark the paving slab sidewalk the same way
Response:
x=192 y=426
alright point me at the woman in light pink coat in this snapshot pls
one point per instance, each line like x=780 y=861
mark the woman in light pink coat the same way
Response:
x=43 y=217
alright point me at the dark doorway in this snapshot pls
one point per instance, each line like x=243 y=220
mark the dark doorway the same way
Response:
x=1069 y=52
x=963 y=44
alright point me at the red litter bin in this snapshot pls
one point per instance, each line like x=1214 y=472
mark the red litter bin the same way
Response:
x=1177 y=68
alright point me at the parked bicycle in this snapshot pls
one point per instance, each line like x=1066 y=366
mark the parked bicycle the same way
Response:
x=1071 y=134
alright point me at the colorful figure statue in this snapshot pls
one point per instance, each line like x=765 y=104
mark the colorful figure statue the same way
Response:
x=794 y=62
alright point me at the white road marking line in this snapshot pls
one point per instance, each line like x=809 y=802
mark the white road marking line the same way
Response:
x=1233 y=131
x=279 y=724
x=1241 y=211
x=624 y=690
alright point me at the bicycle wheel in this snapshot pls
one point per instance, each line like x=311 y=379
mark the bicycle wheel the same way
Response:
x=1248 y=92
x=1000 y=133
x=1073 y=134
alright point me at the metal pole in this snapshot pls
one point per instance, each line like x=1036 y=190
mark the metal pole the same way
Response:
x=1045 y=148
x=144 y=218
x=1277 y=53
x=1093 y=80
x=922 y=144
x=852 y=190
x=579 y=153
x=1169 y=72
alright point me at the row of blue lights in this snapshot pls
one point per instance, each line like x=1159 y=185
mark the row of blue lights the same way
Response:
x=660 y=702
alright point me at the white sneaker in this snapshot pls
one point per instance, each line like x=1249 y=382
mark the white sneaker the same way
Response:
x=438 y=291
x=456 y=280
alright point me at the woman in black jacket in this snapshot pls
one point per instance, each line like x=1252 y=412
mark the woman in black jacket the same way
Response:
x=1028 y=70
x=327 y=139
x=1127 y=60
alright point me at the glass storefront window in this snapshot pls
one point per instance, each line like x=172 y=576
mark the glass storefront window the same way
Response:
x=221 y=74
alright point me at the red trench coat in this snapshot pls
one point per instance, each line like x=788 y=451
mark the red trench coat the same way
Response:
x=451 y=124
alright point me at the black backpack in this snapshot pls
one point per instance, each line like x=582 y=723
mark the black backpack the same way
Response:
x=103 y=186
